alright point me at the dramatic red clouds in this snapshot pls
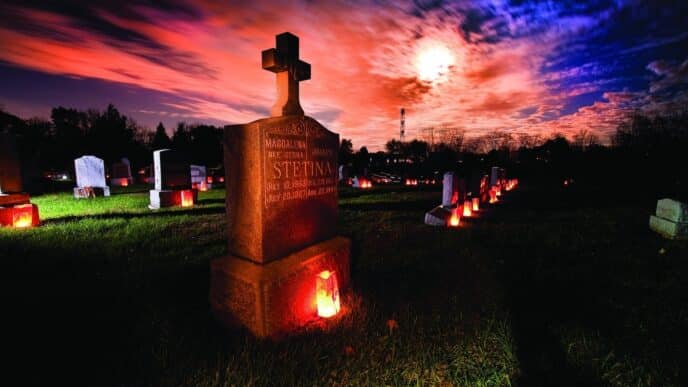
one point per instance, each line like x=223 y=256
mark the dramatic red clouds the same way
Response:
x=363 y=65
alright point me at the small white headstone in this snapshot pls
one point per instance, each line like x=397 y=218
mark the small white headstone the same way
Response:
x=671 y=220
x=198 y=175
x=90 y=172
x=672 y=210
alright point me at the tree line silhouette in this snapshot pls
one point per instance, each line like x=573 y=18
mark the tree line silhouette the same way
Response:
x=645 y=150
x=52 y=145
x=645 y=156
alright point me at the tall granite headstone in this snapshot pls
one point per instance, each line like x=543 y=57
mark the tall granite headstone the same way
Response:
x=15 y=207
x=90 y=177
x=10 y=173
x=281 y=208
x=172 y=179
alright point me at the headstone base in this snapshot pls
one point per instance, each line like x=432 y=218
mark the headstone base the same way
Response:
x=277 y=297
x=85 y=192
x=669 y=229
x=170 y=198
x=7 y=200
x=20 y=216
x=438 y=216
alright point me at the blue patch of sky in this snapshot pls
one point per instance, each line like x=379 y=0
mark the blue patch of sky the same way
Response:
x=615 y=55
x=40 y=91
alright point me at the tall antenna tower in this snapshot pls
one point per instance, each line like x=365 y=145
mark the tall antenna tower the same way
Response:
x=402 y=127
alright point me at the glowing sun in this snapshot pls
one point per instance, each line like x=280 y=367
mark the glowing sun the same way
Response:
x=433 y=62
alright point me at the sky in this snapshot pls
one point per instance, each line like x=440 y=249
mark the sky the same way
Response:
x=532 y=67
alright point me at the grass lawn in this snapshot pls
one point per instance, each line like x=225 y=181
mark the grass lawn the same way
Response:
x=549 y=287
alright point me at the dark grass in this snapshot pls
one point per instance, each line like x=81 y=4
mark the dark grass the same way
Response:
x=550 y=287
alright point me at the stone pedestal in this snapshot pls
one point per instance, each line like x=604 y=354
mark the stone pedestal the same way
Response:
x=277 y=297
x=170 y=198
x=20 y=216
x=85 y=192
x=7 y=200
x=668 y=228
x=438 y=216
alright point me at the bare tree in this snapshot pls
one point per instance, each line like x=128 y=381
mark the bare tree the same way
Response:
x=584 y=139
x=526 y=140
x=452 y=137
x=475 y=145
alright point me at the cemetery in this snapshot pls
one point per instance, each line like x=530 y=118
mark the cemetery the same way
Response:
x=267 y=251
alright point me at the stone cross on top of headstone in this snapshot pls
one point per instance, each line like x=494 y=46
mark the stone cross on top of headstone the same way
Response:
x=284 y=61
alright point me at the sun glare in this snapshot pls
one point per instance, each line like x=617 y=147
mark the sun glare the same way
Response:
x=433 y=62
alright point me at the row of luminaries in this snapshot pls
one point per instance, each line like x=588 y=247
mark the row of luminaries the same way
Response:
x=176 y=181
x=367 y=180
x=464 y=197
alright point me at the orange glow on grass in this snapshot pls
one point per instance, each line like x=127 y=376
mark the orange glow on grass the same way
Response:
x=476 y=204
x=467 y=208
x=187 y=198
x=327 y=294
